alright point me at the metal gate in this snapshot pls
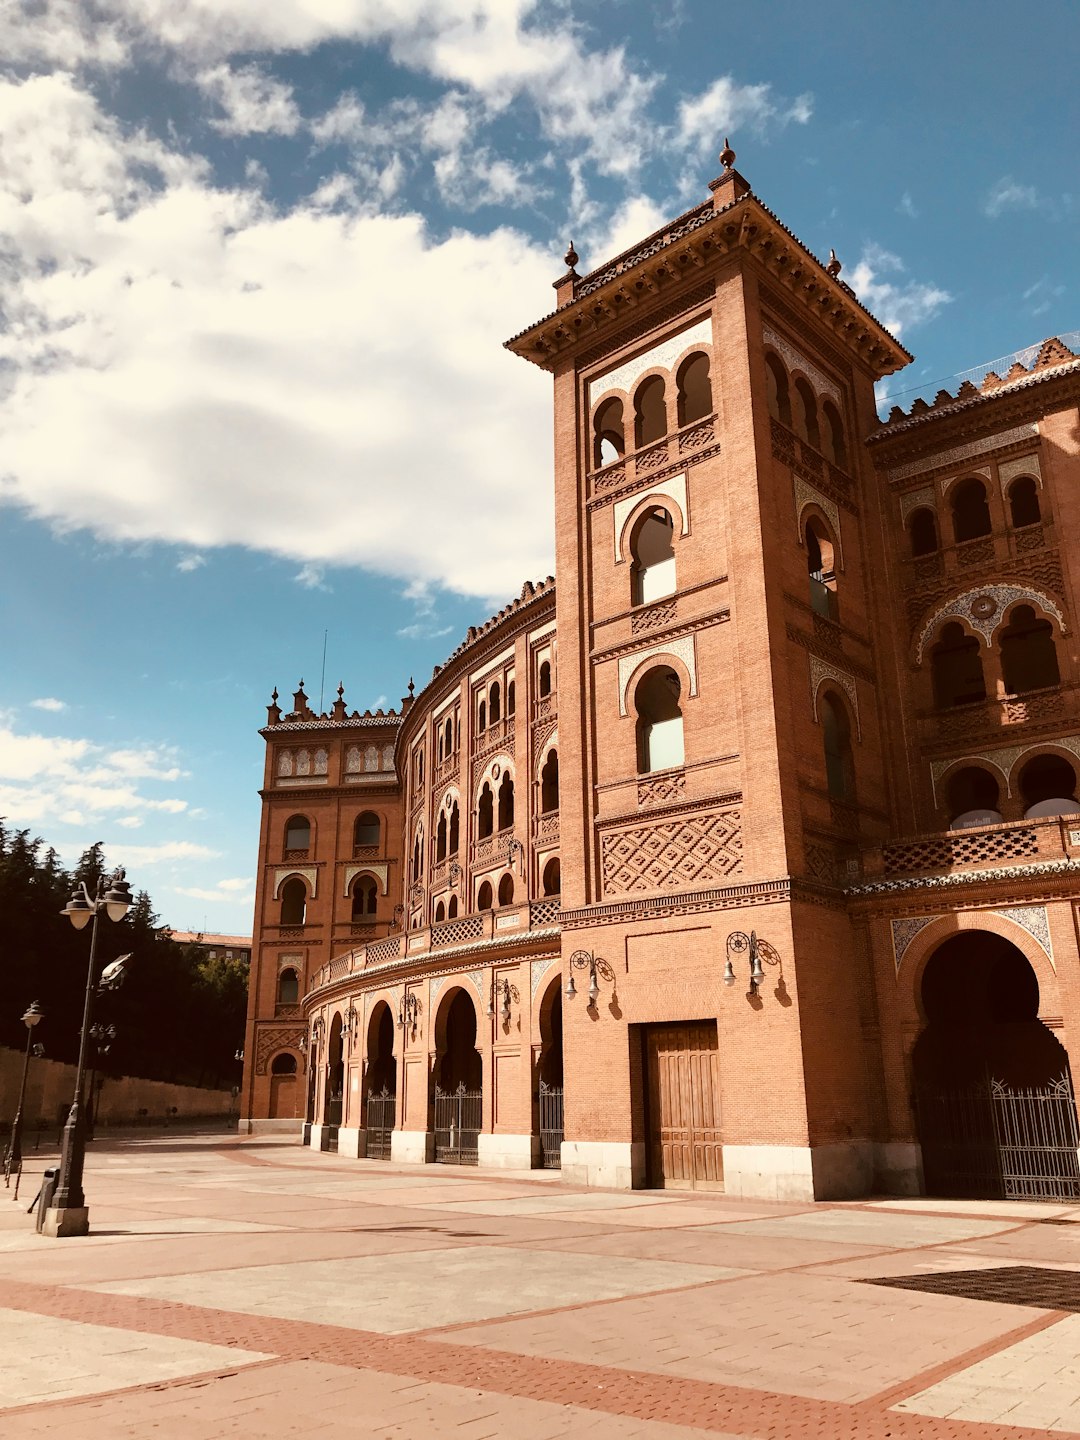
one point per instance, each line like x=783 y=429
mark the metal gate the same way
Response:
x=333 y=1120
x=991 y=1141
x=457 y=1125
x=551 y=1125
x=381 y=1111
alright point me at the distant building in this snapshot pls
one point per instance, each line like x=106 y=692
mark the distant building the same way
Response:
x=752 y=855
x=228 y=947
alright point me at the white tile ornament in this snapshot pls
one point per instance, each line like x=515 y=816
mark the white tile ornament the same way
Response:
x=904 y=932
x=1025 y=465
x=539 y=969
x=794 y=360
x=964 y=452
x=984 y=609
x=674 y=489
x=1003 y=758
x=820 y=671
x=805 y=494
x=377 y=869
x=1033 y=919
x=682 y=648
x=477 y=978
x=983 y=470
x=663 y=356
x=916 y=500
x=306 y=872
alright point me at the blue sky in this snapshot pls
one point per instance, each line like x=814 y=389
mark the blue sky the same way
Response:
x=257 y=264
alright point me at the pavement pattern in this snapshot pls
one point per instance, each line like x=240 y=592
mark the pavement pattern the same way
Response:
x=250 y=1288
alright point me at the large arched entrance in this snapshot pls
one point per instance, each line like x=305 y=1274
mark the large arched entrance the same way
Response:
x=335 y=1085
x=381 y=1097
x=550 y=1077
x=994 y=1099
x=284 y=1087
x=459 y=1098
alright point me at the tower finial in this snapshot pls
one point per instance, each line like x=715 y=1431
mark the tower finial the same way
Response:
x=570 y=259
x=412 y=687
x=727 y=155
x=834 y=267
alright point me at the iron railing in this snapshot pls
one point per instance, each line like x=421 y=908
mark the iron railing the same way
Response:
x=379 y=1121
x=551 y=1125
x=458 y=1118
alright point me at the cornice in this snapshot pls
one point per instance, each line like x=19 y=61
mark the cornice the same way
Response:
x=327 y=722
x=963 y=879
x=784 y=889
x=652 y=638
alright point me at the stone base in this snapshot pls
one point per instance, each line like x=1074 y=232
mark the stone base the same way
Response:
x=507 y=1152
x=71 y=1221
x=271 y=1127
x=352 y=1143
x=412 y=1147
x=799 y=1172
x=315 y=1136
x=898 y=1168
x=610 y=1164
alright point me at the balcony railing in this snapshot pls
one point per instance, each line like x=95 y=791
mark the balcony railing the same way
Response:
x=986 y=716
x=671 y=450
x=1018 y=842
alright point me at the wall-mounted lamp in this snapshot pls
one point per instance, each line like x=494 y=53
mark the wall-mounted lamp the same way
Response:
x=507 y=992
x=454 y=874
x=399 y=914
x=739 y=943
x=409 y=1012
x=348 y=1024
x=596 y=965
x=515 y=851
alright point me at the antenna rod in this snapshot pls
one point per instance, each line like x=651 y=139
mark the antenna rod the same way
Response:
x=322 y=677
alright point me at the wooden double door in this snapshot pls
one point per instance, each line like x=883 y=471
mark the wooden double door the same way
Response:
x=683 y=1106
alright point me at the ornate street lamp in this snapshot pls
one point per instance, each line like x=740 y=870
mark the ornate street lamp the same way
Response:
x=596 y=966
x=13 y=1158
x=68 y=1214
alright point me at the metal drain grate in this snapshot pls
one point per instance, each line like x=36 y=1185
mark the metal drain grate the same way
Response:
x=1007 y=1285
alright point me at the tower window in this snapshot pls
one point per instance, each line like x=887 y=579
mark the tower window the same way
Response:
x=922 y=530
x=694 y=389
x=293 y=901
x=652 y=557
x=659 y=720
x=970 y=511
x=806 y=416
x=298 y=833
x=544 y=682
x=777 y=391
x=609 y=443
x=506 y=802
x=365 y=897
x=485 y=813
x=836 y=738
x=366 y=829
x=956 y=668
x=549 y=783
x=1028 y=653
x=1024 y=506
x=650 y=412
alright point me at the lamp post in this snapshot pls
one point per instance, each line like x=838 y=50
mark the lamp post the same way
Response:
x=68 y=1214
x=13 y=1158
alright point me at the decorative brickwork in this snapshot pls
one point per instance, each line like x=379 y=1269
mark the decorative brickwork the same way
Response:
x=271 y=1039
x=663 y=789
x=941 y=852
x=684 y=852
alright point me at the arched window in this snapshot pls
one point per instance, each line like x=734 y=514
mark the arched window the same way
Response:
x=1024 y=506
x=506 y=802
x=448 y=737
x=417 y=859
x=506 y=890
x=652 y=557
x=293 y=901
x=973 y=796
x=833 y=435
x=283 y=1064
x=481 y=716
x=1028 y=653
x=970 y=511
x=549 y=783
x=455 y=829
x=544 y=686
x=451 y=909
x=609 y=441
x=420 y=767
x=485 y=813
x=494 y=709
x=956 y=668
x=552 y=879
x=659 y=720
x=297 y=833
x=922 y=530
x=440 y=912
x=694 y=389
x=440 y=839
x=1048 y=787
x=777 y=391
x=483 y=897
x=821 y=565
x=511 y=697
x=805 y=410
x=288 y=987
x=366 y=830
x=650 y=411
x=836 y=738
x=365 y=897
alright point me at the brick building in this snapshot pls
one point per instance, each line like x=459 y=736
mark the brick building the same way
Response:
x=749 y=857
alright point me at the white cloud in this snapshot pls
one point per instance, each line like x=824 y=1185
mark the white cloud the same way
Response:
x=232 y=891
x=631 y=222
x=129 y=822
x=311 y=577
x=49 y=703
x=907 y=206
x=1008 y=194
x=67 y=33
x=254 y=103
x=187 y=563
x=726 y=106
x=900 y=304
x=125 y=854
x=210 y=356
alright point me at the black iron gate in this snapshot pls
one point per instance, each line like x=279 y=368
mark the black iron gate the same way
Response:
x=381 y=1110
x=992 y=1141
x=334 y=1107
x=457 y=1125
x=551 y=1125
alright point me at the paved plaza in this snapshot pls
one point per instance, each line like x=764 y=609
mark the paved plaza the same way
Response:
x=247 y=1288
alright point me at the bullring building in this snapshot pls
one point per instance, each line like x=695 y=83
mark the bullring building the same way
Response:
x=746 y=852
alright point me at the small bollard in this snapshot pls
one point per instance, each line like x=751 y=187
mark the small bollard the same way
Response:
x=44 y=1198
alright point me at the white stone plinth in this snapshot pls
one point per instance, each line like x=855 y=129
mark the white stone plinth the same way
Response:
x=507 y=1152
x=272 y=1127
x=610 y=1164
x=352 y=1142
x=415 y=1147
x=74 y=1220
x=799 y=1172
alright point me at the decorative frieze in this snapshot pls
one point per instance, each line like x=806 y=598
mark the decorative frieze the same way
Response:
x=904 y=932
x=984 y=609
x=821 y=670
x=916 y=500
x=960 y=453
x=663 y=356
x=795 y=360
x=1033 y=919
x=538 y=969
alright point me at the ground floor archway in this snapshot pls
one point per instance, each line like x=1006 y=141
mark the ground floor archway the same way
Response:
x=993 y=1087
x=380 y=1093
x=459 y=1096
x=335 y=1085
x=550 y=1092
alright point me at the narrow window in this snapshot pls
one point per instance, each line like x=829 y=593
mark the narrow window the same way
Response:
x=956 y=668
x=836 y=737
x=922 y=531
x=833 y=435
x=659 y=720
x=609 y=442
x=440 y=912
x=288 y=987
x=549 y=783
x=365 y=897
x=511 y=697
x=1048 y=787
x=777 y=391
x=973 y=796
x=694 y=389
x=970 y=511
x=293 y=901
x=652 y=557
x=545 y=678
x=806 y=417
x=483 y=898
x=455 y=829
x=481 y=716
x=494 y=708
x=552 y=877
x=1028 y=653
x=650 y=412
x=451 y=909
x=485 y=813
x=448 y=738
x=298 y=833
x=1024 y=506
x=366 y=830
x=506 y=890
x=821 y=565
x=440 y=838
x=506 y=802
x=417 y=859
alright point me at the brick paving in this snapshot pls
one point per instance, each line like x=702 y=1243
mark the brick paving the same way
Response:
x=235 y=1289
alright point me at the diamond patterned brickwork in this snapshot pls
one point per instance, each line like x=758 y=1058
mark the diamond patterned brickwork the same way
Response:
x=680 y=853
x=942 y=852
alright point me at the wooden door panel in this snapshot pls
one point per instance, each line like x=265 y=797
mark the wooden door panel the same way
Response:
x=682 y=1075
